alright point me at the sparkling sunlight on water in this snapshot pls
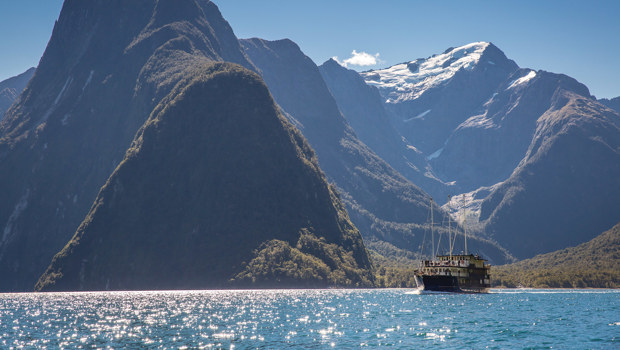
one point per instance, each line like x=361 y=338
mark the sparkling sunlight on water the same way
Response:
x=274 y=319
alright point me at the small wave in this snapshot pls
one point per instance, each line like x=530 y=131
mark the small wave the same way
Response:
x=414 y=292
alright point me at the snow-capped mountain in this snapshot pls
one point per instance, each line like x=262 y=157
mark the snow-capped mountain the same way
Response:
x=408 y=81
x=428 y=98
x=534 y=152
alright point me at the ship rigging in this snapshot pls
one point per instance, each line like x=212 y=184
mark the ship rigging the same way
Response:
x=458 y=273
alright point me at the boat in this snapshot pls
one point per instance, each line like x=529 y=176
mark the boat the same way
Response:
x=454 y=273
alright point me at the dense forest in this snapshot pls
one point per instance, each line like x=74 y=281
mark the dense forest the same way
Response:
x=594 y=264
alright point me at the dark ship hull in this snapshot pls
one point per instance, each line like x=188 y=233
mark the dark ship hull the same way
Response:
x=441 y=283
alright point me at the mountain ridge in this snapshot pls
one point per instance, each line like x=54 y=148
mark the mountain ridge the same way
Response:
x=211 y=203
x=11 y=88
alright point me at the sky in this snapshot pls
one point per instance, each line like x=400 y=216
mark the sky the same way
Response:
x=577 y=38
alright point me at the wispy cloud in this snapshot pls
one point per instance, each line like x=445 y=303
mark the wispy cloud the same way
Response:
x=360 y=59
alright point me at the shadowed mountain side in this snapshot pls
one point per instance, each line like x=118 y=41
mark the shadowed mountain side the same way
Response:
x=11 y=88
x=594 y=264
x=107 y=65
x=566 y=187
x=363 y=108
x=381 y=202
x=216 y=187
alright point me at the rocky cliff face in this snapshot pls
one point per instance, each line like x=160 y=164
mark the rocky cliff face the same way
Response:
x=217 y=190
x=69 y=131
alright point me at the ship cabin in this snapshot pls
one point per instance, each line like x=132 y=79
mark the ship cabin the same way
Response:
x=455 y=265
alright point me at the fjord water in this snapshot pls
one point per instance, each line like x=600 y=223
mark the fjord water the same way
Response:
x=342 y=319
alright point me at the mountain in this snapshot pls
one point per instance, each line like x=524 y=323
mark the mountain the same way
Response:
x=384 y=205
x=11 y=88
x=107 y=67
x=530 y=157
x=430 y=97
x=80 y=113
x=566 y=187
x=363 y=108
x=485 y=148
x=217 y=190
x=594 y=264
x=613 y=103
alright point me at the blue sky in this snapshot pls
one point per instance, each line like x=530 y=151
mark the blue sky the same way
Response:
x=577 y=38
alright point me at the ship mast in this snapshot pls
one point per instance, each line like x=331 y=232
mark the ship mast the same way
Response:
x=432 y=232
x=465 y=224
x=450 y=243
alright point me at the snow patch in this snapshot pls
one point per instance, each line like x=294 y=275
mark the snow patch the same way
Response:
x=400 y=83
x=524 y=79
x=90 y=77
x=478 y=121
x=435 y=154
x=62 y=91
x=419 y=116
x=53 y=106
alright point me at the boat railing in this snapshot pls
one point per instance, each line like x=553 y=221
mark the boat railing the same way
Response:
x=446 y=263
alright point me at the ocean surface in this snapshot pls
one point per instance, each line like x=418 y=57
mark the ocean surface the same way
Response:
x=312 y=319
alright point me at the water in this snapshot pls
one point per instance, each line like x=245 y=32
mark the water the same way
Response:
x=312 y=319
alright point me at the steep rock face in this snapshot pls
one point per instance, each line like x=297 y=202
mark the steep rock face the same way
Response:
x=382 y=203
x=566 y=186
x=431 y=97
x=486 y=148
x=363 y=108
x=215 y=177
x=107 y=65
x=11 y=88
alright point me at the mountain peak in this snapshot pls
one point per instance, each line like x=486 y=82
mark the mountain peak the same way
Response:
x=331 y=62
x=409 y=80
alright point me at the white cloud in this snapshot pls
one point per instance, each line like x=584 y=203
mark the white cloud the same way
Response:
x=360 y=59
